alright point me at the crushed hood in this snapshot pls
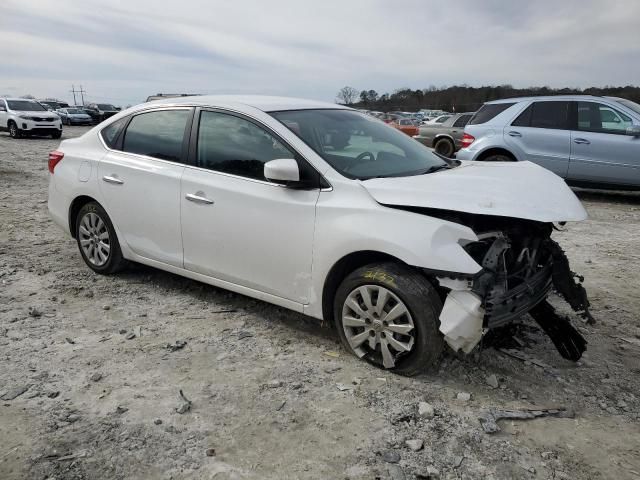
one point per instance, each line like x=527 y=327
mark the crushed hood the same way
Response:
x=507 y=189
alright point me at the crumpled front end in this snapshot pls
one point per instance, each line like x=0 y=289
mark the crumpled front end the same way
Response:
x=520 y=264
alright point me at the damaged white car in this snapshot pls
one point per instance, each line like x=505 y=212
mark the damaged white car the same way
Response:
x=326 y=211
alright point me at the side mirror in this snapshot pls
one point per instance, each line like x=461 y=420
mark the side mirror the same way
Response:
x=634 y=130
x=283 y=170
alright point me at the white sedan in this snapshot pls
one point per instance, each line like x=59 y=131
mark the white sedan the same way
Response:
x=326 y=211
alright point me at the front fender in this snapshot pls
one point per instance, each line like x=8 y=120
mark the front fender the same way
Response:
x=416 y=239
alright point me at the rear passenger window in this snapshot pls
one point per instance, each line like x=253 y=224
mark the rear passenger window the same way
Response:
x=231 y=144
x=489 y=112
x=524 y=119
x=110 y=133
x=157 y=134
x=462 y=121
x=550 y=115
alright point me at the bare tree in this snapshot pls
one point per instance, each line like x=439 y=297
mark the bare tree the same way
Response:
x=347 y=95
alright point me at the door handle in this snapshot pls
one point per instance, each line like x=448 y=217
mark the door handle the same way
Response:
x=114 y=180
x=581 y=141
x=198 y=199
x=513 y=133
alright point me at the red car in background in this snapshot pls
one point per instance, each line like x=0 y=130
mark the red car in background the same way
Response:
x=406 y=125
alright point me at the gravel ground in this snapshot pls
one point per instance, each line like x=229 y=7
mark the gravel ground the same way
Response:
x=91 y=368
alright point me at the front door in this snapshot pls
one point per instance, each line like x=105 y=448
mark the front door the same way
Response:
x=237 y=226
x=139 y=180
x=601 y=150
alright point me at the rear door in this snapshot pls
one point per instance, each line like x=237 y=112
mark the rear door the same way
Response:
x=139 y=180
x=541 y=135
x=601 y=150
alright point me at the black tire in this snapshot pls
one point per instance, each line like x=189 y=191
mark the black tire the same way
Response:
x=55 y=135
x=422 y=302
x=444 y=147
x=498 y=157
x=115 y=262
x=14 y=131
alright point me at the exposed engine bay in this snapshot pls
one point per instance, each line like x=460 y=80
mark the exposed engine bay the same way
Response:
x=521 y=265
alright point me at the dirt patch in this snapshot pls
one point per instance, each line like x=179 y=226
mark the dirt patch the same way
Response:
x=272 y=394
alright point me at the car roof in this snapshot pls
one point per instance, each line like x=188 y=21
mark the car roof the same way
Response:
x=261 y=102
x=23 y=99
x=546 y=97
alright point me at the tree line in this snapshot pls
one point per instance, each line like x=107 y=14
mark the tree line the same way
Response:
x=463 y=98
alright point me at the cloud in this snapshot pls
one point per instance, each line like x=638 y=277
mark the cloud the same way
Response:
x=122 y=51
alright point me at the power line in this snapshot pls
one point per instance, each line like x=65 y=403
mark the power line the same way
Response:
x=81 y=92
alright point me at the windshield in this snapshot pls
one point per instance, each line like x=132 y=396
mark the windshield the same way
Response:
x=629 y=104
x=73 y=110
x=360 y=146
x=25 y=106
x=106 y=106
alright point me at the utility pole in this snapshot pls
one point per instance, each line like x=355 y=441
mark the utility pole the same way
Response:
x=82 y=92
x=73 y=90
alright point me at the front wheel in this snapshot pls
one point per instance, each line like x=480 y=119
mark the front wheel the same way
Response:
x=14 y=131
x=387 y=314
x=97 y=240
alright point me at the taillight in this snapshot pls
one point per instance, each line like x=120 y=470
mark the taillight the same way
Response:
x=467 y=140
x=54 y=159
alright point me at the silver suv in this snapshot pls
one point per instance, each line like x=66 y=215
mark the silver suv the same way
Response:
x=589 y=141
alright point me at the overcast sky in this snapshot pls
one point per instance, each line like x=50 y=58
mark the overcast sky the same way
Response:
x=123 y=51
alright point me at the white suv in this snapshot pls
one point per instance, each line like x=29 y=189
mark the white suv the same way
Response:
x=20 y=116
x=326 y=211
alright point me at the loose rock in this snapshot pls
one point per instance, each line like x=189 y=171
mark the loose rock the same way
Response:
x=96 y=377
x=464 y=396
x=492 y=381
x=426 y=410
x=15 y=392
x=415 y=445
x=390 y=456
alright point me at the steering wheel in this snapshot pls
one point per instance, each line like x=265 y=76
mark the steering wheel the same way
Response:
x=361 y=159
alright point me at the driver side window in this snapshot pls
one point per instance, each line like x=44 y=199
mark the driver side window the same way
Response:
x=597 y=117
x=231 y=144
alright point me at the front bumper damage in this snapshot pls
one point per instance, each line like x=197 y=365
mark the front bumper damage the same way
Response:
x=519 y=269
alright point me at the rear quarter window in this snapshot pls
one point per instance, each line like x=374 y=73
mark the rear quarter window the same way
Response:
x=110 y=133
x=489 y=112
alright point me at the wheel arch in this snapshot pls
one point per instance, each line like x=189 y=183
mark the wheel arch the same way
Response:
x=442 y=136
x=344 y=267
x=496 y=151
x=78 y=202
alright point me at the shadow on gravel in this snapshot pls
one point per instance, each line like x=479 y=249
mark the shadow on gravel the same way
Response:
x=608 y=196
x=225 y=299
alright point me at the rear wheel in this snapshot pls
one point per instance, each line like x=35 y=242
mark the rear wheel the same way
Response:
x=14 y=131
x=498 y=157
x=444 y=147
x=387 y=314
x=97 y=240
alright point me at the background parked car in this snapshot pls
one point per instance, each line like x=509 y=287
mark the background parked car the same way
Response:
x=445 y=137
x=438 y=119
x=100 y=111
x=405 y=125
x=52 y=105
x=74 y=116
x=588 y=140
x=22 y=117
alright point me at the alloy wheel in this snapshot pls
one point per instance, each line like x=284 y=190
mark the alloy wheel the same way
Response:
x=376 y=322
x=94 y=239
